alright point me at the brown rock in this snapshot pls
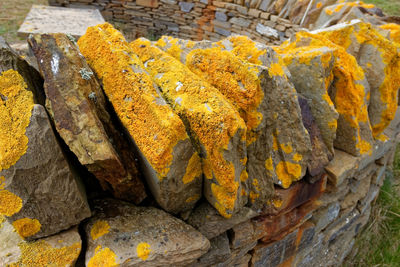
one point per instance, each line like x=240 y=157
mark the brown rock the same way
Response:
x=123 y=234
x=341 y=167
x=77 y=106
x=219 y=252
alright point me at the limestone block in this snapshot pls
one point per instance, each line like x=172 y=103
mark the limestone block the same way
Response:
x=77 y=106
x=215 y=126
x=349 y=93
x=169 y=162
x=219 y=252
x=378 y=57
x=311 y=75
x=61 y=249
x=208 y=222
x=122 y=234
x=39 y=193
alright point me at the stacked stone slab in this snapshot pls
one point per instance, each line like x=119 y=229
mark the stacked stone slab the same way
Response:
x=215 y=126
x=78 y=108
x=169 y=162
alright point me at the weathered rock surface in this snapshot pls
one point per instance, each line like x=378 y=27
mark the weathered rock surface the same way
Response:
x=291 y=144
x=349 y=93
x=207 y=220
x=9 y=59
x=379 y=58
x=39 y=192
x=215 y=126
x=341 y=167
x=77 y=106
x=62 y=249
x=219 y=252
x=123 y=234
x=311 y=75
x=169 y=162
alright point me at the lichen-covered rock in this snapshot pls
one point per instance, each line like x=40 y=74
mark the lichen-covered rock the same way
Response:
x=394 y=31
x=77 y=106
x=61 y=250
x=39 y=193
x=125 y=235
x=349 y=93
x=207 y=220
x=311 y=75
x=215 y=126
x=380 y=60
x=291 y=147
x=169 y=162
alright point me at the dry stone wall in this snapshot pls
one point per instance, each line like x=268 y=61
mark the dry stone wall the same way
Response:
x=194 y=153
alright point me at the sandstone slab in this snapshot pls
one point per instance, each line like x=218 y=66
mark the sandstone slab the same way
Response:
x=215 y=126
x=169 y=162
x=48 y=19
x=78 y=108
x=341 y=167
x=61 y=249
x=123 y=234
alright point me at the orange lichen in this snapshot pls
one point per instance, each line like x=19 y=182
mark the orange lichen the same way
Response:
x=192 y=198
x=245 y=48
x=206 y=111
x=151 y=123
x=235 y=79
x=193 y=169
x=269 y=164
x=99 y=229
x=244 y=176
x=276 y=70
x=16 y=104
x=9 y=203
x=319 y=5
x=143 y=250
x=277 y=203
x=366 y=34
x=297 y=157
x=2 y=182
x=40 y=253
x=394 y=31
x=288 y=172
x=27 y=227
x=104 y=258
x=287 y=148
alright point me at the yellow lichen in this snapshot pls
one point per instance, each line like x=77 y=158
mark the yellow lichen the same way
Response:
x=9 y=203
x=269 y=164
x=319 y=5
x=152 y=124
x=40 y=253
x=192 y=198
x=16 y=104
x=246 y=49
x=244 y=176
x=297 y=157
x=394 y=31
x=277 y=203
x=287 y=148
x=27 y=227
x=288 y=172
x=207 y=112
x=143 y=250
x=193 y=169
x=103 y=258
x=99 y=229
x=2 y=182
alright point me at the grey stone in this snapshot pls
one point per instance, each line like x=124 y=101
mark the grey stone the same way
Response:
x=222 y=31
x=219 y=252
x=240 y=21
x=341 y=226
x=47 y=19
x=264 y=5
x=242 y=234
x=186 y=6
x=141 y=236
x=267 y=31
x=325 y=216
x=221 y=16
x=207 y=220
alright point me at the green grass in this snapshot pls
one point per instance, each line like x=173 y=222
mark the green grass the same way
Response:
x=12 y=14
x=379 y=243
x=390 y=7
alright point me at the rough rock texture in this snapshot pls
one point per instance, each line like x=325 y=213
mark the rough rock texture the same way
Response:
x=213 y=123
x=311 y=75
x=62 y=249
x=380 y=60
x=218 y=252
x=207 y=220
x=291 y=146
x=39 y=193
x=349 y=93
x=77 y=106
x=121 y=233
x=168 y=160
x=9 y=59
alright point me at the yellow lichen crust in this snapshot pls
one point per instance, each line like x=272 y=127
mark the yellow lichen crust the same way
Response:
x=193 y=169
x=16 y=104
x=394 y=31
x=345 y=6
x=288 y=172
x=365 y=34
x=350 y=99
x=148 y=119
x=99 y=229
x=246 y=49
x=27 y=227
x=9 y=203
x=143 y=250
x=40 y=253
x=235 y=79
x=212 y=119
x=103 y=258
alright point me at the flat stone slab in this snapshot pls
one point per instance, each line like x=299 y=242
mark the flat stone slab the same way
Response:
x=47 y=19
